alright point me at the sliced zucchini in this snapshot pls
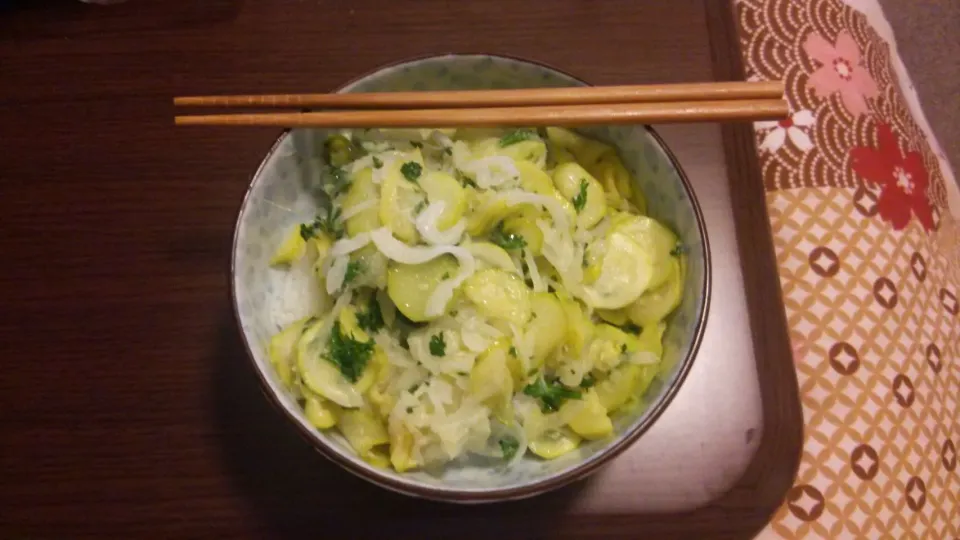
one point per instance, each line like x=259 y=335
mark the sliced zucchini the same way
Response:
x=587 y=416
x=625 y=273
x=655 y=304
x=491 y=380
x=499 y=294
x=441 y=187
x=411 y=285
x=655 y=239
x=362 y=189
x=525 y=225
x=583 y=149
x=319 y=375
x=400 y=196
x=583 y=191
x=320 y=413
x=365 y=432
x=492 y=255
x=282 y=351
x=555 y=443
x=290 y=250
x=548 y=326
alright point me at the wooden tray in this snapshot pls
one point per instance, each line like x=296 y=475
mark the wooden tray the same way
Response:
x=129 y=410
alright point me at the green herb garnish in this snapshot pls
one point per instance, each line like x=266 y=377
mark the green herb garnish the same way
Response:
x=354 y=269
x=377 y=163
x=446 y=275
x=438 y=347
x=509 y=447
x=679 y=250
x=411 y=171
x=335 y=180
x=588 y=381
x=348 y=354
x=371 y=319
x=513 y=351
x=581 y=199
x=551 y=393
x=507 y=240
x=330 y=224
x=514 y=137
x=631 y=328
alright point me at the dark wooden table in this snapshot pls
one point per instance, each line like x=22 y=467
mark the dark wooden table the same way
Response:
x=128 y=408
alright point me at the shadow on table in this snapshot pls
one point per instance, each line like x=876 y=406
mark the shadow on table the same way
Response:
x=297 y=492
x=63 y=19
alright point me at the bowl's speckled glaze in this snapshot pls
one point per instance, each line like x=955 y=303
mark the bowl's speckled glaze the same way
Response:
x=266 y=299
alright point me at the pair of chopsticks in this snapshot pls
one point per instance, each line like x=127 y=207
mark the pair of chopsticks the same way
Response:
x=638 y=104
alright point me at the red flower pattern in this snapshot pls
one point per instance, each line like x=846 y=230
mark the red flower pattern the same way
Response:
x=902 y=178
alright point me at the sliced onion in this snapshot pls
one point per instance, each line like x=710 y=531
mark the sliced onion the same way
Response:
x=538 y=284
x=359 y=207
x=643 y=358
x=426 y=224
x=557 y=213
x=337 y=273
x=398 y=251
x=482 y=170
x=349 y=245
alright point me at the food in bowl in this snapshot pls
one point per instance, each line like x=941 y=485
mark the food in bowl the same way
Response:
x=484 y=292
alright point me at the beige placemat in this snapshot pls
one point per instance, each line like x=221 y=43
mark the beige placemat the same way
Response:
x=869 y=256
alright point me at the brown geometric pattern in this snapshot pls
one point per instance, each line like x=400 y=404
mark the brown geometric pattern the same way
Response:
x=772 y=36
x=880 y=380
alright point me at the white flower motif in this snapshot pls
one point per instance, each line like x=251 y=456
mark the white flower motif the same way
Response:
x=792 y=128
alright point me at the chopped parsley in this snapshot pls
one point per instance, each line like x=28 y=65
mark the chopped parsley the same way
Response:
x=411 y=171
x=581 y=199
x=551 y=393
x=354 y=269
x=623 y=348
x=330 y=224
x=335 y=180
x=631 y=328
x=371 y=319
x=377 y=163
x=513 y=351
x=409 y=410
x=588 y=381
x=446 y=275
x=679 y=250
x=507 y=240
x=348 y=354
x=413 y=388
x=438 y=347
x=514 y=137
x=509 y=447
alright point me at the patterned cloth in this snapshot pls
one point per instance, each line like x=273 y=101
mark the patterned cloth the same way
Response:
x=869 y=257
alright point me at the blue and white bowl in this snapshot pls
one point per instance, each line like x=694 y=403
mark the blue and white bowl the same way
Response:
x=265 y=299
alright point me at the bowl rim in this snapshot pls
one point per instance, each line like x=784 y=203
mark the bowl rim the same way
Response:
x=549 y=483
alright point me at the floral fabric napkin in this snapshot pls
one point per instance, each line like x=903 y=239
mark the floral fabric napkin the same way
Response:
x=865 y=213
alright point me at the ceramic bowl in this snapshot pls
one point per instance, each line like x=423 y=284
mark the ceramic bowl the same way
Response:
x=266 y=299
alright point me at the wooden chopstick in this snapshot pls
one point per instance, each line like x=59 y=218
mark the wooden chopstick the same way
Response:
x=581 y=95
x=623 y=113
